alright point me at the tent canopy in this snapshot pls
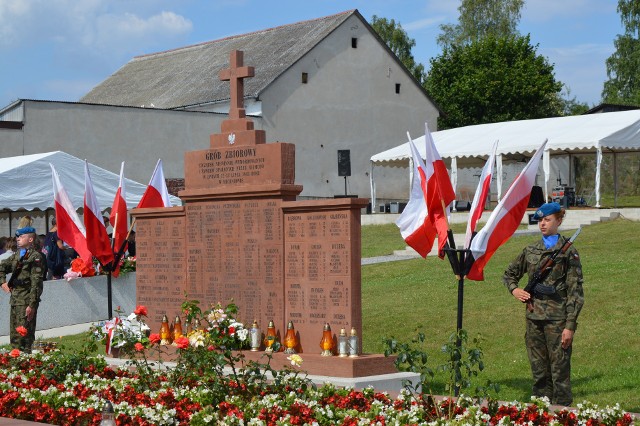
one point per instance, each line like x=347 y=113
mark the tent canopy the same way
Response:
x=27 y=182
x=612 y=132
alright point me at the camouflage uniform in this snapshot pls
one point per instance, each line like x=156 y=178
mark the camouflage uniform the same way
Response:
x=27 y=292
x=550 y=363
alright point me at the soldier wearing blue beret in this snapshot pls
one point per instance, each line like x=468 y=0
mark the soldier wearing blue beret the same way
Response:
x=552 y=318
x=27 y=268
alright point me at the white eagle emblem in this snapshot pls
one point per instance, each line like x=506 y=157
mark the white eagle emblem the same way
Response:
x=232 y=138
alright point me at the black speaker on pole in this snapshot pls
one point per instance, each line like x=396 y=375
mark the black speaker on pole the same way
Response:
x=344 y=162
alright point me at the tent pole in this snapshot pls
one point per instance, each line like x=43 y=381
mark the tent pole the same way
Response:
x=373 y=191
x=615 y=180
x=597 y=183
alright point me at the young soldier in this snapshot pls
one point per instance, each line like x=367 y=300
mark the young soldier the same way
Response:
x=27 y=268
x=551 y=318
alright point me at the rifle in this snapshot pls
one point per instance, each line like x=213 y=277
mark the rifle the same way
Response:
x=534 y=286
x=14 y=276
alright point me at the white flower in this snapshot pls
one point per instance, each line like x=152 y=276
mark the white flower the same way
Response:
x=296 y=360
x=242 y=334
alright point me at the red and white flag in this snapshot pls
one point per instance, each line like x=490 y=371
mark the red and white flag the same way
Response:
x=118 y=217
x=70 y=228
x=96 y=233
x=440 y=193
x=480 y=198
x=156 y=194
x=415 y=227
x=506 y=217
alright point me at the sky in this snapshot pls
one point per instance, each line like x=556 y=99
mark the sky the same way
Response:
x=60 y=49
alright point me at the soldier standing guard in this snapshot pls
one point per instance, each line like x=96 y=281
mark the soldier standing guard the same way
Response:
x=27 y=268
x=551 y=317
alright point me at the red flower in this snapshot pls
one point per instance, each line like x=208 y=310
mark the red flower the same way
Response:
x=139 y=347
x=210 y=348
x=141 y=310
x=15 y=353
x=232 y=330
x=154 y=338
x=182 y=342
x=21 y=330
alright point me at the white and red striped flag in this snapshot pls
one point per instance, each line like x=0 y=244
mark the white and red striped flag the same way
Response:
x=156 y=194
x=96 y=233
x=480 y=198
x=440 y=192
x=70 y=228
x=118 y=217
x=415 y=227
x=506 y=217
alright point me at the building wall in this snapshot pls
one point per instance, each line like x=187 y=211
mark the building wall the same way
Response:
x=349 y=102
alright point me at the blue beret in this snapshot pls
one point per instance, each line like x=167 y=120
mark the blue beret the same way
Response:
x=25 y=230
x=547 y=209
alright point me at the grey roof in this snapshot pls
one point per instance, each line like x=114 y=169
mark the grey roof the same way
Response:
x=189 y=75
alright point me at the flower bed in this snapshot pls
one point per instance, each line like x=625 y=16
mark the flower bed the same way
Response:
x=34 y=388
x=66 y=389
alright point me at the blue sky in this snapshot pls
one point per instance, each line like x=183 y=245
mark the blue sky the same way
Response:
x=60 y=49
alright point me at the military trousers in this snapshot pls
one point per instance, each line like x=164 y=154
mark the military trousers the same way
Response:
x=550 y=363
x=18 y=317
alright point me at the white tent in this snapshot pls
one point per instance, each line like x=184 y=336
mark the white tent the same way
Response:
x=613 y=132
x=27 y=185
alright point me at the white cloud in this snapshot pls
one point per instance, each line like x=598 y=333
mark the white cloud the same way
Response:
x=424 y=23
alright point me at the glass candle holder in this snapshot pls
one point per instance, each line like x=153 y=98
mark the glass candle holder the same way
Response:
x=353 y=343
x=326 y=343
x=290 y=339
x=343 y=350
x=177 y=328
x=255 y=335
x=165 y=332
x=270 y=337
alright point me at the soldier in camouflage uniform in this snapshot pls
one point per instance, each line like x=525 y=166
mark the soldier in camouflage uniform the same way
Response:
x=26 y=288
x=551 y=320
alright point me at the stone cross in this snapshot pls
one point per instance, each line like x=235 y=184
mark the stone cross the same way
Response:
x=235 y=74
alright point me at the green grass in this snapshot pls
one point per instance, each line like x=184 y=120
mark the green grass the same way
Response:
x=399 y=296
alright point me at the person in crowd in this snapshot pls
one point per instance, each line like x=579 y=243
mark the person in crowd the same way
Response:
x=131 y=244
x=27 y=267
x=3 y=242
x=54 y=251
x=25 y=221
x=552 y=311
x=9 y=248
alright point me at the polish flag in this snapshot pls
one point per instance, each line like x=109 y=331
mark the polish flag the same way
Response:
x=97 y=237
x=506 y=217
x=479 y=200
x=118 y=217
x=156 y=194
x=70 y=228
x=415 y=227
x=439 y=191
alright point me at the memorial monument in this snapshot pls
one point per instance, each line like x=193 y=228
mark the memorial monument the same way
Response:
x=242 y=235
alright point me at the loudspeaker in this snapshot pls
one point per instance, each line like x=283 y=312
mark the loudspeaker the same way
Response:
x=344 y=162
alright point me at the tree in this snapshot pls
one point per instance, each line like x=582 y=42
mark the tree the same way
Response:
x=480 y=19
x=397 y=39
x=492 y=80
x=623 y=67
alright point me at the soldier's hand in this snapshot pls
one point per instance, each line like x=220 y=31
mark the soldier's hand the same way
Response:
x=29 y=313
x=521 y=295
x=5 y=288
x=567 y=338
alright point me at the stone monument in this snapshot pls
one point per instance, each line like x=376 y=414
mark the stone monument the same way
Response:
x=242 y=235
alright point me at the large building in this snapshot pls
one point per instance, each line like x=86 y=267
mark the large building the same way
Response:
x=325 y=85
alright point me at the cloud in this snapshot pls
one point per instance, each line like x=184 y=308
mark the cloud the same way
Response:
x=424 y=23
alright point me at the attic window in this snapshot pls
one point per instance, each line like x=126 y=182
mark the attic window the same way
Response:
x=397 y=87
x=305 y=77
x=354 y=42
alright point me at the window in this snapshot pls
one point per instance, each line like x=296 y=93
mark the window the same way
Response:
x=305 y=77
x=397 y=87
x=354 y=42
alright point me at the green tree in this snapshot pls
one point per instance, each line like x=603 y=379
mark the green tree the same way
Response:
x=400 y=44
x=623 y=67
x=480 y=19
x=492 y=80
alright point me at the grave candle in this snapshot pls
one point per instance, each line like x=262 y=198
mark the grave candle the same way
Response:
x=342 y=343
x=353 y=343
x=254 y=332
x=326 y=343
x=290 y=339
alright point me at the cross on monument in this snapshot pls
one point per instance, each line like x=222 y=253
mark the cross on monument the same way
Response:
x=235 y=74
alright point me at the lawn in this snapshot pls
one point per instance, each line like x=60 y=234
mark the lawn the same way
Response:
x=400 y=296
